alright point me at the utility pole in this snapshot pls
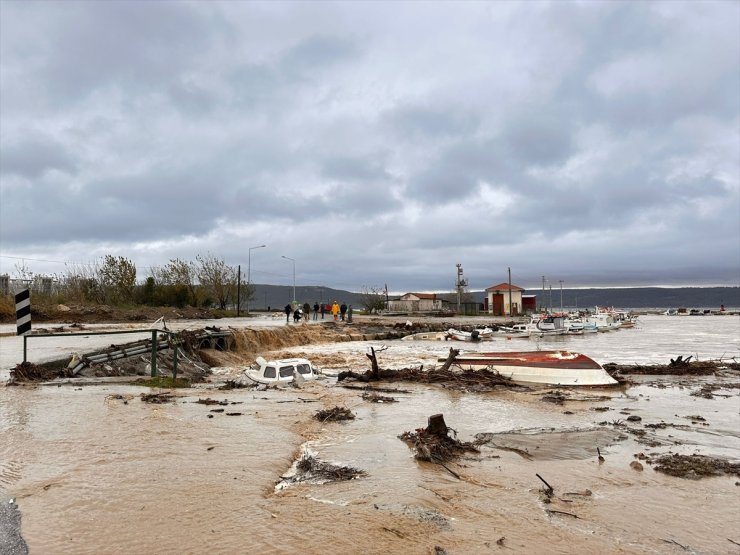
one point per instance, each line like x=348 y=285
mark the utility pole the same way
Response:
x=511 y=306
x=249 y=271
x=561 y=295
x=543 y=293
x=550 y=297
x=461 y=282
x=292 y=260
x=239 y=290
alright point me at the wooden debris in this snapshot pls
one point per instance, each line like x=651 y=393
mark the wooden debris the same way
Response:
x=375 y=398
x=30 y=372
x=434 y=444
x=309 y=467
x=210 y=401
x=334 y=414
x=157 y=398
x=548 y=488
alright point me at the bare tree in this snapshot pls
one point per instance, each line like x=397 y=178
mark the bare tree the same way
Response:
x=372 y=299
x=218 y=278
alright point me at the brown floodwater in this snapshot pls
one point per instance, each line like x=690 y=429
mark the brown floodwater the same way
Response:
x=94 y=474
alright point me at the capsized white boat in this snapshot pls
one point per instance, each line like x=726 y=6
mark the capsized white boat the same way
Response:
x=426 y=336
x=539 y=367
x=475 y=335
x=281 y=371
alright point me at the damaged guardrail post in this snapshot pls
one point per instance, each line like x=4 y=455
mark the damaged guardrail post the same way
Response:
x=154 y=354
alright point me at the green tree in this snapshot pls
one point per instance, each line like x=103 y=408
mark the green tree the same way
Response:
x=217 y=278
x=178 y=275
x=117 y=279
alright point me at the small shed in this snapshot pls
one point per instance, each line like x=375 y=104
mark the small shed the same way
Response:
x=499 y=296
x=416 y=302
x=529 y=304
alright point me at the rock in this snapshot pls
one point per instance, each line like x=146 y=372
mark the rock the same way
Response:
x=634 y=418
x=63 y=308
x=634 y=465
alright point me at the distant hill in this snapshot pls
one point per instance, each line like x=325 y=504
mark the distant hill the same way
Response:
x=277 y=296
x=638 y=297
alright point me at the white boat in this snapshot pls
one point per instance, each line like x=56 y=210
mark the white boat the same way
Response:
x=576 y=326
x=539 y=367
x=281 y=371
x=475 y=335
x=427 y=336
x=517 y=330
x=603 y=321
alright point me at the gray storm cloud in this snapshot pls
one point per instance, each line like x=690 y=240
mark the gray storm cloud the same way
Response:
x=596 y=143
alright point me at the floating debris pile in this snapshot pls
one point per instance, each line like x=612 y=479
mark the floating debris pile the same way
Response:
x=334 y=414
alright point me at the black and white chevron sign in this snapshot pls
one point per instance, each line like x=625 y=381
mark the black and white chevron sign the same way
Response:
x=23 y=311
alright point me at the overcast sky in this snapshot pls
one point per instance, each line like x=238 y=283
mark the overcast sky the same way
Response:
x=376 y=143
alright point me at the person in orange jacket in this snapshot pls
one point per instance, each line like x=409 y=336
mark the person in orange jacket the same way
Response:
x=335 y=310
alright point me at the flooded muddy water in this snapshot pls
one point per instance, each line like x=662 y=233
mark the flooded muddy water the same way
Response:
x=96 y=470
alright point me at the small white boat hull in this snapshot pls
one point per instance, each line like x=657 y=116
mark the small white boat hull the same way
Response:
x=427 y=336
x=475 y=335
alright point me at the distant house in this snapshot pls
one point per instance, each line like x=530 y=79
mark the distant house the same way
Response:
x=499 y=296
x=416 y=302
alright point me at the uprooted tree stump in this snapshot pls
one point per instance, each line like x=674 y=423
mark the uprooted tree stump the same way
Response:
x=434 y=444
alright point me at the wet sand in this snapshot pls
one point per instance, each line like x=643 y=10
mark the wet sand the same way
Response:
x=97 y=474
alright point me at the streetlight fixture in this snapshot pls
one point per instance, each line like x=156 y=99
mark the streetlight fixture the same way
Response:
x=292 y=260
x=249 y=271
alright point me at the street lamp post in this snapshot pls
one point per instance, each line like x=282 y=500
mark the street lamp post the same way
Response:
x=292 y=260
x=249 y=271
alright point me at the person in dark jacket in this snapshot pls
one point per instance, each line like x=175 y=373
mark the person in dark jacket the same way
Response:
x=297 y=316
x=316 y=311
x=288 y=311
x=306 y=311
x=343 y=311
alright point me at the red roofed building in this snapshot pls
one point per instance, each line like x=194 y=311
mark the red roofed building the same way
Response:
x=498 y=298
x=416 y=302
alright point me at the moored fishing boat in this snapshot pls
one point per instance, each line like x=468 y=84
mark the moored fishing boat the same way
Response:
x=539 y=367
x=475 y=335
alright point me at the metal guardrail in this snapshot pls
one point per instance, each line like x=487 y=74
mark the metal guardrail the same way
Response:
x=156 y=345
x=154 y=333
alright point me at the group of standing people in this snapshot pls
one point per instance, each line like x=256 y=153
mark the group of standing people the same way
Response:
x=342 y=312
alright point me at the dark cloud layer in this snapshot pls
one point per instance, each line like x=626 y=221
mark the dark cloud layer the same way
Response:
x=596 y=143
